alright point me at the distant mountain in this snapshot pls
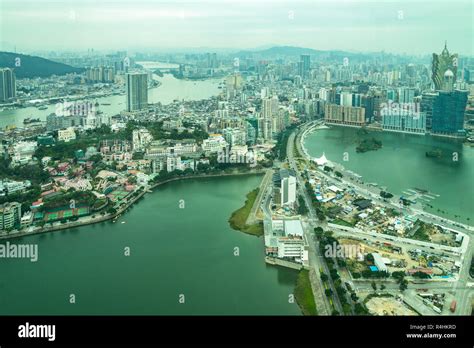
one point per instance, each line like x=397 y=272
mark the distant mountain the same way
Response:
x=32 y=66
x=282 y=51
x=291 y=51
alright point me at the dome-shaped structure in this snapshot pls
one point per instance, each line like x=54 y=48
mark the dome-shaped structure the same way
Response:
x=448 y=73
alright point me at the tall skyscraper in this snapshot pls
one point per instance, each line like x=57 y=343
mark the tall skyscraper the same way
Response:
x=284 y=187
x=7 y=84
x=448 y=113
x=305 y=65
x=346 y=98
x=406 y=95
x=441 y=63
x=268 y=108
x=426 y=106
x=137 y=91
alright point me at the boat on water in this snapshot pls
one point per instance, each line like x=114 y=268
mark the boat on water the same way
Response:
x=437 y=153
x=31 y=120
x=43 y=107
x=105 y=104
x=420 y=190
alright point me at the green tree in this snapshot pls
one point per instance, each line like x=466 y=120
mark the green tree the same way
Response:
x=360 y=309
x=334 y=274
x=302 y=209
x=421 y=275
x=403 y=285
x=398 y=275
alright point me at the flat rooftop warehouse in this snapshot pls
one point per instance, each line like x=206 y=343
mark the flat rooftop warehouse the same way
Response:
x=293 y=227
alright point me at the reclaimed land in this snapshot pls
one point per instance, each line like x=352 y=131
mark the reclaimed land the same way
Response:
x=304 y=294
x=239 y=217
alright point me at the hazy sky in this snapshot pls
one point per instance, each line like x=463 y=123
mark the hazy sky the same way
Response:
x=402 y=26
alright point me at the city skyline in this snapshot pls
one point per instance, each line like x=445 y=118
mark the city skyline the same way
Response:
x=357 y=26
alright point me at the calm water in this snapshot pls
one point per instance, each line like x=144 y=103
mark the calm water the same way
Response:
x=401 y=164
x=169 y=90
x=174 y=251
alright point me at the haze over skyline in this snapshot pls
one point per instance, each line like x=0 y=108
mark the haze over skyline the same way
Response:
x=400 y=26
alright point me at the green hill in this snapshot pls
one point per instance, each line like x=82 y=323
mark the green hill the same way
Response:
x=32 y=66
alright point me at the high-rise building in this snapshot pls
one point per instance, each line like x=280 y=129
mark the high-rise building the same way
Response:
x=305 y=66
x=426 y=106
x=406 y=95
x=7 y=84
x=234 y=81
x=448 y=113
x=10 y=214
x=100 y=74
x=468 y=75
x=266 y=122
x=441 y=63
x=402 y=121
x=252 y=130
x=211 y=60
x=323 y=94
x=346 y=98
x=284 y=187
x=356 y=99
x=349 y=115
x=235 y=136
x=137 y=91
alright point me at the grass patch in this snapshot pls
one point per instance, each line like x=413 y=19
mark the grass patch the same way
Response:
x=304 y=294
x=342 y=222
x=239 y=217
x=422 y=232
